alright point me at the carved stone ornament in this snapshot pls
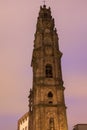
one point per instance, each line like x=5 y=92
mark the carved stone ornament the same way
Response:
x=47 y=31
x=48 y=50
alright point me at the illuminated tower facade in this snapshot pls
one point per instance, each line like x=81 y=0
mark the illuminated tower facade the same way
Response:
x=47 y=110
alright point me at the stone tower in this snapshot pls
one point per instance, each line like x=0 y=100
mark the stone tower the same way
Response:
x=47 y=110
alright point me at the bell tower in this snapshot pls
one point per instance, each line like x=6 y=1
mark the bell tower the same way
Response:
x=47 y=110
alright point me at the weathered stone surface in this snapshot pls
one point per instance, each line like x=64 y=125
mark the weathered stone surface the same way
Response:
x=47 y=105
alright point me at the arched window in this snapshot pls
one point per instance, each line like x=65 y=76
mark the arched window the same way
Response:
x=49 y=73
x=50 y=95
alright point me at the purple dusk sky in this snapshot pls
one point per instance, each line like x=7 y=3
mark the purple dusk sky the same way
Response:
x=17 y=27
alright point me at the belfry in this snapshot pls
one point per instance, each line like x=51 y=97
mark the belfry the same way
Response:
x=47 y=109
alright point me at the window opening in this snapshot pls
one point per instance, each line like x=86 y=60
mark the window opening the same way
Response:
x=50 y=95
x=51 y=121
x=50 y=102
x=49 y=71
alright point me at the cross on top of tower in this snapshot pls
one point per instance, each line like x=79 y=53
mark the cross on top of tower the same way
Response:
x=44 y=2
